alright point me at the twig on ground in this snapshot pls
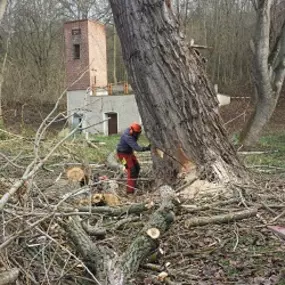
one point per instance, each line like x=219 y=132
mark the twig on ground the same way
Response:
x=278 y=217
x=11 y=161
x=237 y=237
x=31 y=226
x=194 y=208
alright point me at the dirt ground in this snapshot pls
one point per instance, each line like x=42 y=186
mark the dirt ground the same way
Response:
x=236 y=114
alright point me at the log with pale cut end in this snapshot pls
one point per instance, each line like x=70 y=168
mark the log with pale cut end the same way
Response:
x=143 y=245
x=111 y=199
x=150 y=205
x=161 y=276
x=75 y=174
x=153 y=233
x=97 y=199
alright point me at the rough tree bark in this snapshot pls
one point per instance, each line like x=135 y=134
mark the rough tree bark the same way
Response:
x=3 y=4
x=269 y=73
x=176 y=101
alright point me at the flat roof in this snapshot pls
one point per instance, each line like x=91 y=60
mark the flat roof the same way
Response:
x=84 y=20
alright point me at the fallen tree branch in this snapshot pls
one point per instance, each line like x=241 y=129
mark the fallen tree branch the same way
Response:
x=193 y=208
x=144 y=243
x=11 y=162
x=201 y=221
x=94 y=231
x=190 y=253
x=90 y=144
x=83 y=244
x=120 y=224
x=30 y=172
x=17 y=234
x=118 y=211
x=9 y=277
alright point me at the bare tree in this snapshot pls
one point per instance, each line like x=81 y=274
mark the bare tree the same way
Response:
x=269 y=72
x=35 y=66
x=175 y=98
x=78 y=9
x=3 y=4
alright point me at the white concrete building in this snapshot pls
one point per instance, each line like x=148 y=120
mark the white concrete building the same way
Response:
x=103 y=114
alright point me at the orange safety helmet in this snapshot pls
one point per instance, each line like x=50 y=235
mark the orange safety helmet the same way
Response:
x=135 y=127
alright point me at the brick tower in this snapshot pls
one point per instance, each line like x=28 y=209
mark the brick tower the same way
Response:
x=85 y=51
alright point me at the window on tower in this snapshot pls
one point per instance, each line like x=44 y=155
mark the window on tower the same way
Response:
x=76 y=32
x=76 y=51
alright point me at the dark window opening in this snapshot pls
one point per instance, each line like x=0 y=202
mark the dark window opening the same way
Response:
x=76 y=32
x=76 y=51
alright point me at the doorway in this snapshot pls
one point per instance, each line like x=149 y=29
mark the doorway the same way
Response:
x=112 y=123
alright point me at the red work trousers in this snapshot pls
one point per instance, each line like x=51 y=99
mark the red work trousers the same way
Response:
x=133 y=168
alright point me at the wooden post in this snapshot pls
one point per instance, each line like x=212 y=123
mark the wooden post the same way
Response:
x=114 y=56
x=94 y=86
x=126 y=88
x=110 y=89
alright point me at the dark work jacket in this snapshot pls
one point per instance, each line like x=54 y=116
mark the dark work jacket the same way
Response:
x=128 y=143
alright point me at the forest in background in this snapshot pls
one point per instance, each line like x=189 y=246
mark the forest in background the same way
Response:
x=32 y=42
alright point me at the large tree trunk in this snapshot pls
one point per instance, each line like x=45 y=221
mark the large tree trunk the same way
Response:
x=176 y=101
x=269 y=72
x=3 y=4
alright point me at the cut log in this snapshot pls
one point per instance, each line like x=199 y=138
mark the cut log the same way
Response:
x=153 y=233
x=161 y=276
x=143 y=245
x=75 y=174
x=97 y=199
x=93 y=256
x=101 y=199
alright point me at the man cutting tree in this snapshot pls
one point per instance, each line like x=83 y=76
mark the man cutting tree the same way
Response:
x=125 y=151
